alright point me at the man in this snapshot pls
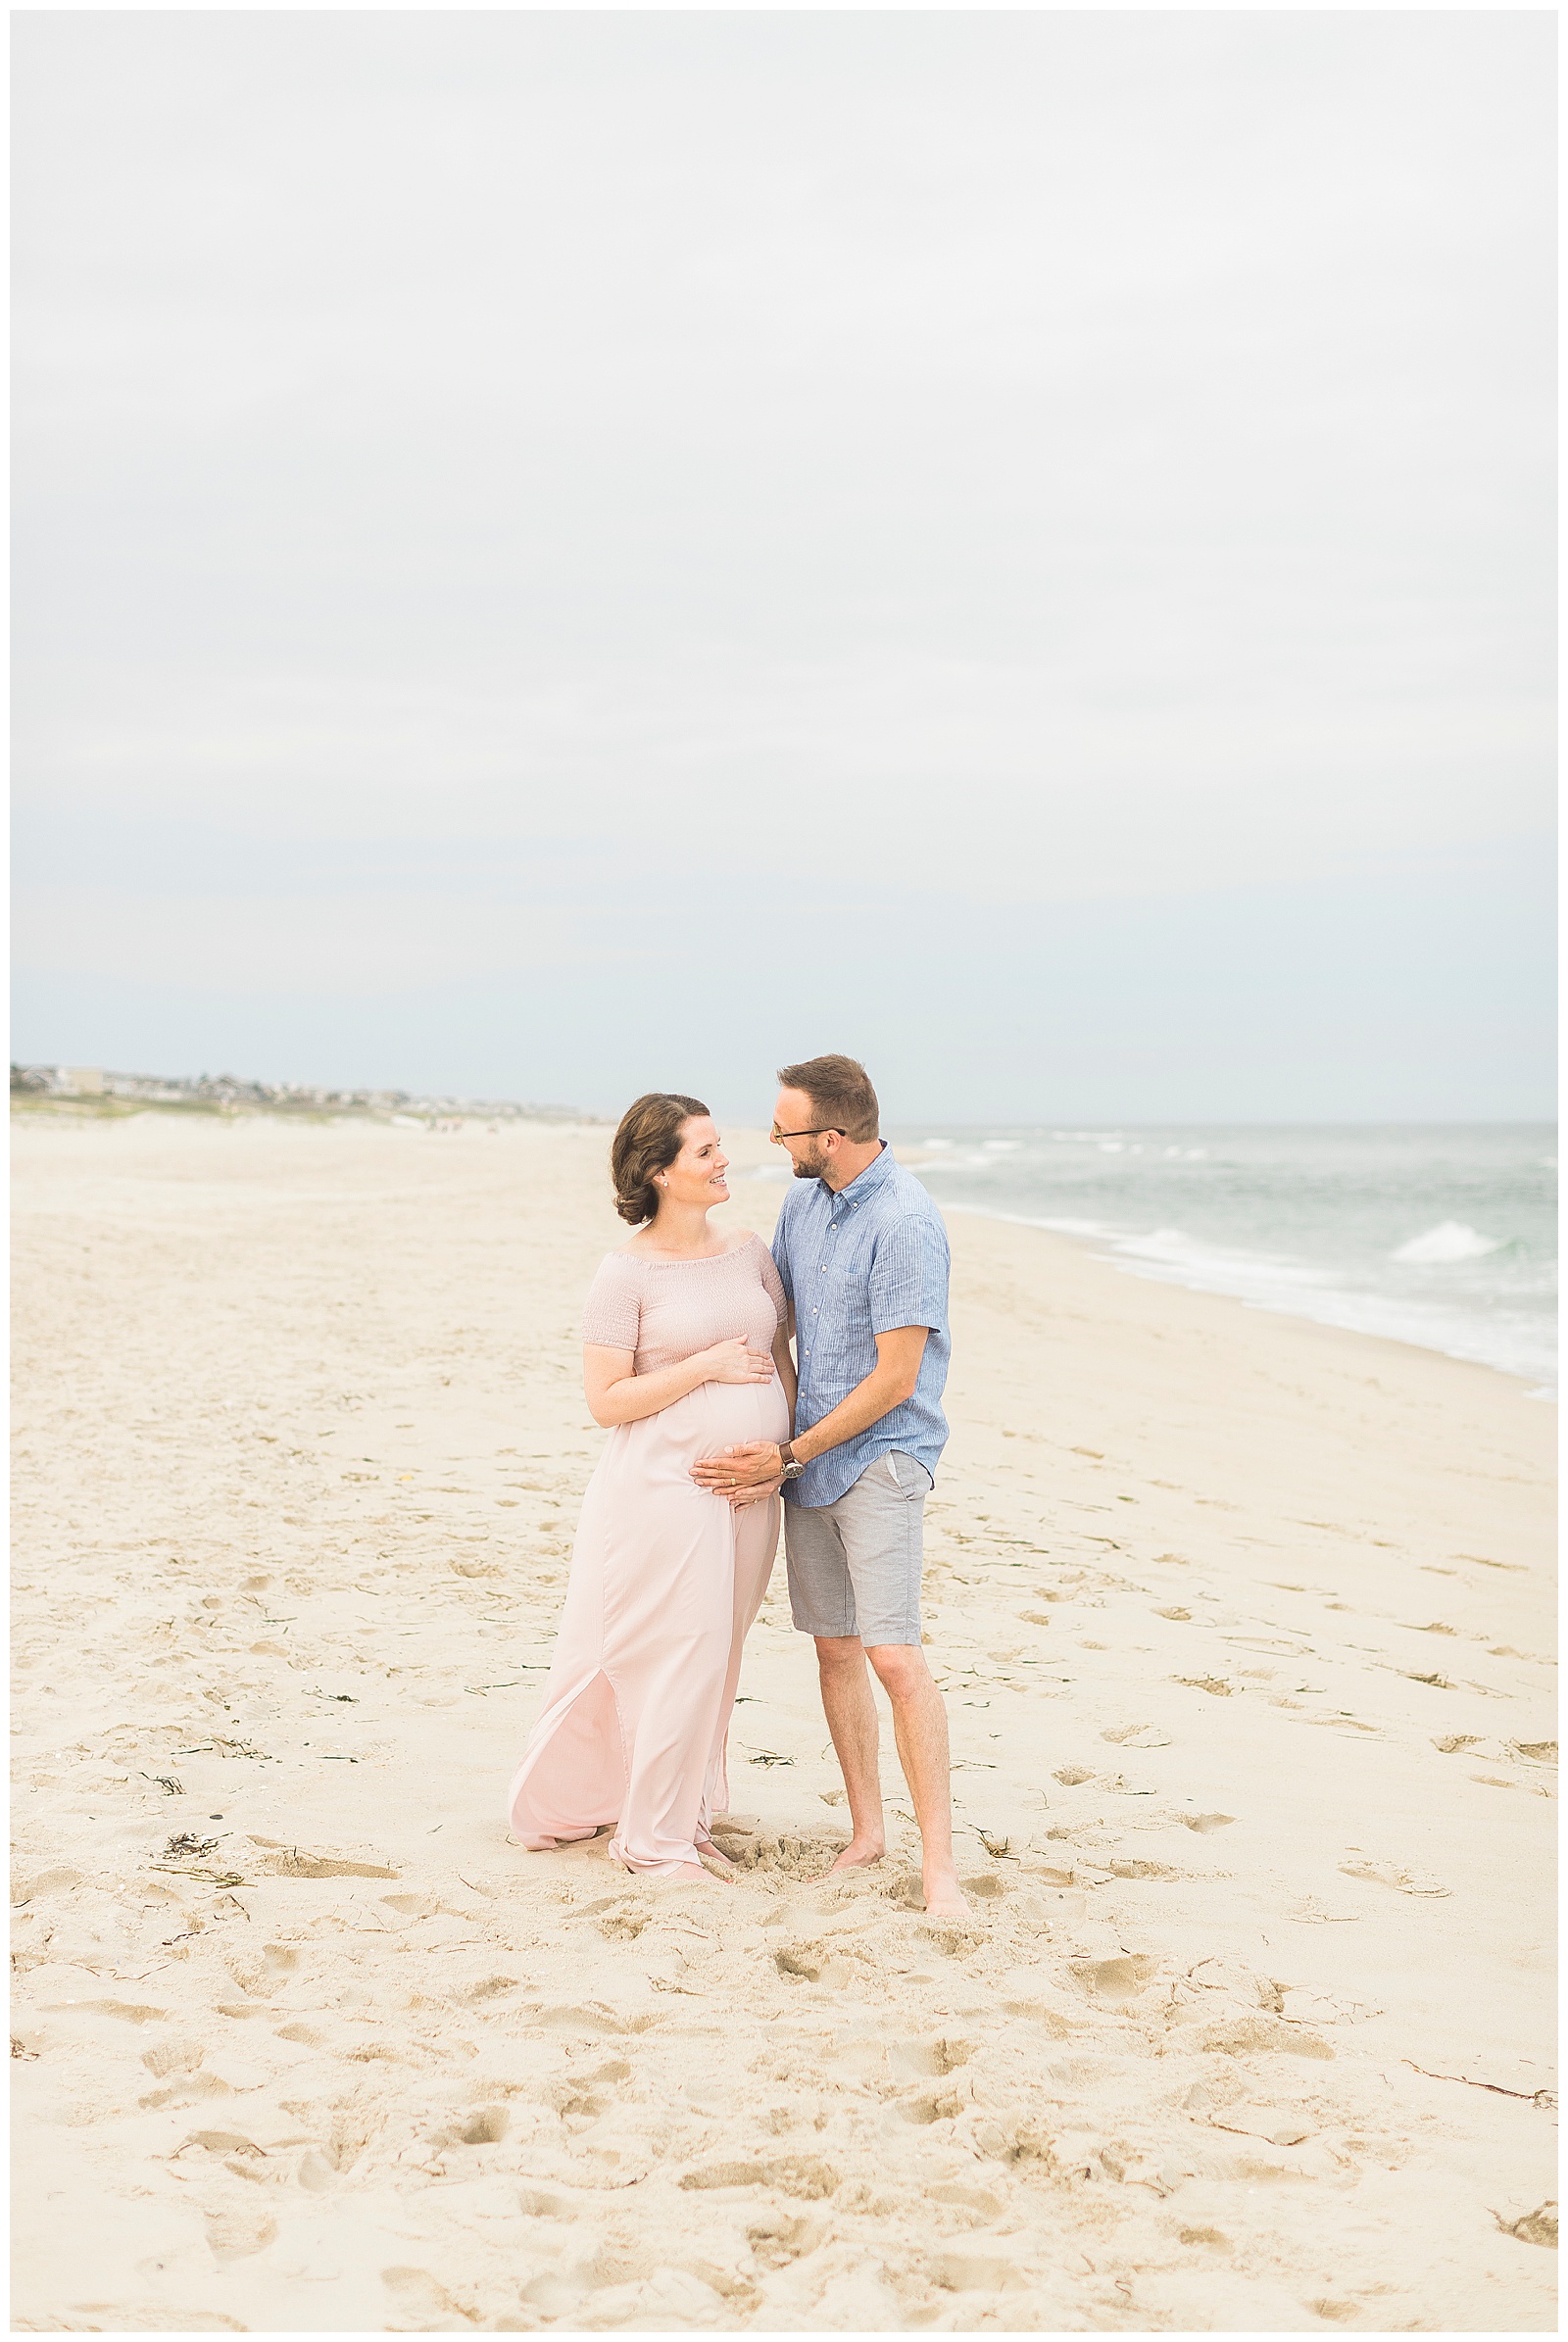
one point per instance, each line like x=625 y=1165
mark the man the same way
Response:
x=862 y=1253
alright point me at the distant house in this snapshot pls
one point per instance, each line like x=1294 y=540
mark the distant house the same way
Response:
x=78 y=1081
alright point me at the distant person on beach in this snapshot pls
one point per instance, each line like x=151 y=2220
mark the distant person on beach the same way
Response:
x=685 y=1353
x=862 y=1254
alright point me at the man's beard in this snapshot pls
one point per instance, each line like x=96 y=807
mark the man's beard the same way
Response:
x=810 y=1166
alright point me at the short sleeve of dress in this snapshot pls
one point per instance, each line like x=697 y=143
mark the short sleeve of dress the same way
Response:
x=612 y=1315
x=774 y=1282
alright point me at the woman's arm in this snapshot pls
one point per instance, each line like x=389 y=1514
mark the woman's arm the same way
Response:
x=784 y=1360
x=616 y=1394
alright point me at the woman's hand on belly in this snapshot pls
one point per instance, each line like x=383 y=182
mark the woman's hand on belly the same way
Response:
x=736 y=1363
x=743 y=1496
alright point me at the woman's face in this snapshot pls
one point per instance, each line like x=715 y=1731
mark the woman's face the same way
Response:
x=696 y=1174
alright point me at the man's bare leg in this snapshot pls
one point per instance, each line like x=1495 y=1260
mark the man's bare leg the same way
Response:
x=850 y=1713
x=920 y=1729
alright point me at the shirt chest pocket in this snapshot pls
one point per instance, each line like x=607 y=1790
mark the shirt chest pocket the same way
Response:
x=835 y=1291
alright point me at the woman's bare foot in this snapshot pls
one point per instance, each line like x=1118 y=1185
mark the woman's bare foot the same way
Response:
x=694 y=1871
x=708 y=1852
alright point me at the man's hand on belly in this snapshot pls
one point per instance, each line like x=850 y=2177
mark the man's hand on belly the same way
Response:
x=752 y=1467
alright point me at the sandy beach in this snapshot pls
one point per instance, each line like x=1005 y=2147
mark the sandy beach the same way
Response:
x=1246 y=1630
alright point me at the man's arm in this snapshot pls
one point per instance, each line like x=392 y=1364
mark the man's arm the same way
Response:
x=891 y=1381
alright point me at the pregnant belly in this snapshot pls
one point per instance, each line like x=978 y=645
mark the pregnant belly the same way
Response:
x=732 y=1413
x=660 y=1449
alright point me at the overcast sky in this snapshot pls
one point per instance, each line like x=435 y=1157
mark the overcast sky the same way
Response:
x=563 y=554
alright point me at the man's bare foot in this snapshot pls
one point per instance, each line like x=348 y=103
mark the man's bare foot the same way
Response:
x=857 y=1855
x=944 y=1898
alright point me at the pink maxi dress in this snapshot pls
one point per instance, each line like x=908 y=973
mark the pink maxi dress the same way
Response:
x=665 y=1577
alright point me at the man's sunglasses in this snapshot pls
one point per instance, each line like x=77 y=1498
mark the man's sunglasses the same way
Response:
x=824 y=1130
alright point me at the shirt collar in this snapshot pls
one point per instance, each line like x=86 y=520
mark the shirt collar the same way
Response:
x=866 y=1182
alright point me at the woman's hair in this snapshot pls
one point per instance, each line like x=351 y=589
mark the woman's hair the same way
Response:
x=841 y=1092
x=648 y=1140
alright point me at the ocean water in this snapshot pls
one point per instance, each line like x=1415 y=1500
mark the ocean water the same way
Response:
x=1440 y=1236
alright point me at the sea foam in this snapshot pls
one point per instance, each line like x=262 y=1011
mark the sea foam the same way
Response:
x=1448 y=1241
x=1440 y=1235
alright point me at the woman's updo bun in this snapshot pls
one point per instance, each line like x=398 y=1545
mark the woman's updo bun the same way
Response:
x=648 y=1142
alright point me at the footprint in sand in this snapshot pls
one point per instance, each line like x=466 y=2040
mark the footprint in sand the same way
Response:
x=285 y=1861
x=1117 y=1979
x=416 y=2294
x=915 y=2060
x=239 y=2230
x=1396 y=1874
x=954 y=1936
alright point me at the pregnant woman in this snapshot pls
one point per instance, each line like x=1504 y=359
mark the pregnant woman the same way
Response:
x=685 y=1353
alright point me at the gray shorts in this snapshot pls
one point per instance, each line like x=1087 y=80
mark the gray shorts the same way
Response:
x=854 y=1565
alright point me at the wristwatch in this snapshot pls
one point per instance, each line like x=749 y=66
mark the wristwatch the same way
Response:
x=786 y=1457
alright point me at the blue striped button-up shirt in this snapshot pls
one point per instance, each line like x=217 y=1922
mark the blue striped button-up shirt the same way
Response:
x=855 y=1265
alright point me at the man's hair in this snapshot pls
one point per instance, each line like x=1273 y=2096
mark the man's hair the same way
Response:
x=840 y=1089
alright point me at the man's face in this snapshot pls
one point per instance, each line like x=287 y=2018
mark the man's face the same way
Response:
x=795 y=1112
